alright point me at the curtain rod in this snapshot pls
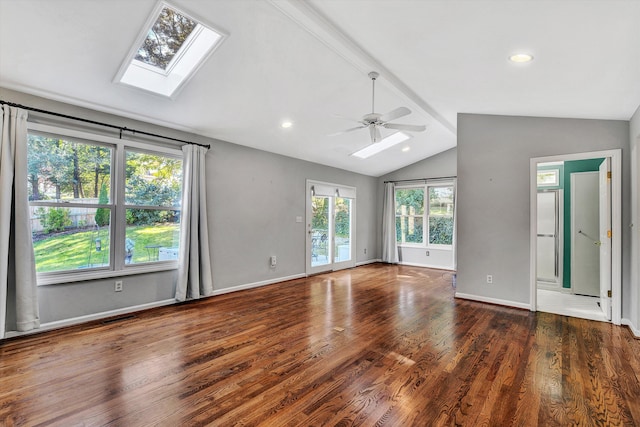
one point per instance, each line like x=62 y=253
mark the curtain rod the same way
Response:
x=120 y=128
x=423 y=179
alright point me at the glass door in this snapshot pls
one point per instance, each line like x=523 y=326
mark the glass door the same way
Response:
x=320 y=227
x=330 y=227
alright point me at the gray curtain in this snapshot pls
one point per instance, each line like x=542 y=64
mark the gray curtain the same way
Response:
x=194 y=270
x=18 y=287
x=389 y=246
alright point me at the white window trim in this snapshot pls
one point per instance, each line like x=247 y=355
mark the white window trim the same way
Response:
x=118 y=268
x=425 y=216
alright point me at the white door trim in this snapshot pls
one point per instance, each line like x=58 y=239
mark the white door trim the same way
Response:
x=616 y=224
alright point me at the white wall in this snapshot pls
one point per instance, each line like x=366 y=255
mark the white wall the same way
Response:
x=440 y=165
x=493 y=196
x=253 y=199
x=634 y=138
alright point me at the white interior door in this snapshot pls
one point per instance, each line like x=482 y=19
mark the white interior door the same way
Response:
x=330 y=227
x=605 y=236
x=585 y=232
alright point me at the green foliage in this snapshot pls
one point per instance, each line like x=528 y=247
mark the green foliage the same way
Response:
x=410 y=201
x=53 y=219
x=103 y=214
x=77 y=250
x=151 y=216
x=411 y=234
x=343 y=219
x=320 y=218
x=165 y=38
x=441 y=230
x=61 y=169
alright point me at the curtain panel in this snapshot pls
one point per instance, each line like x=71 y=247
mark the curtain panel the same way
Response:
x=194 y=270
x=18 y=288
x=389 y=246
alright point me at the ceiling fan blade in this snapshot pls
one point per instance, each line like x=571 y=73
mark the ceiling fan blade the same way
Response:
x=395 y=114
x=347 y=130
x=375 y=133
x=411 y=128
x=341 y=117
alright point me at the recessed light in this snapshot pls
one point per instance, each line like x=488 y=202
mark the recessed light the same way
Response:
x=521 y=57
x=286 y=125
x=405 y=149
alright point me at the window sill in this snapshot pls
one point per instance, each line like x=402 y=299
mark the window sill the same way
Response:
x=56 y=279
x=428 y=247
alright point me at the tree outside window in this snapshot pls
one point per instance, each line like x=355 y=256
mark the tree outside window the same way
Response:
x=413 y=211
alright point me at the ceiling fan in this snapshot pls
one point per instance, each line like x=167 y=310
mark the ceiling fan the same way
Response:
x=374 y=121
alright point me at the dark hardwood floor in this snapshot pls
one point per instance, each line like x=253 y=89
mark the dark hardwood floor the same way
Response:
x=373 y=346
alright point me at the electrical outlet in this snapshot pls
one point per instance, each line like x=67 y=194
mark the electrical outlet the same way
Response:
x=365 y=251
x=273 y=260
x=118 y=286
x=489 y=278
x=427 y=253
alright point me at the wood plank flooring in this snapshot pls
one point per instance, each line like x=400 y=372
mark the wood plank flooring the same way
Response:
x=377 y=345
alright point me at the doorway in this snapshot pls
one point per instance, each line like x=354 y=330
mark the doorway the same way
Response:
x=592 y=231
x=330 y=227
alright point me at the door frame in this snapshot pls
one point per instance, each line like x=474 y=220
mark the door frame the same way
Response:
x=616 y=224
x=332 y=265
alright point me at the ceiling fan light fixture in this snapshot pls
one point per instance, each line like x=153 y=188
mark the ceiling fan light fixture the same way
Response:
x=385 y=143
x=521 y=58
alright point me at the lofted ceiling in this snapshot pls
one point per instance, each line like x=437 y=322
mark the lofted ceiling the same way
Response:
x=307 y=62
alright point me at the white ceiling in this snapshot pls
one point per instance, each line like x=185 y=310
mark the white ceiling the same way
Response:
x=307 y=61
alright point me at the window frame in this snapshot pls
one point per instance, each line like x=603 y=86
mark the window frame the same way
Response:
x=426 y=214
x=117 y=230
x=423 y=215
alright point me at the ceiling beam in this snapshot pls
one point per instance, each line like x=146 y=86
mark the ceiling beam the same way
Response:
x=306 y=16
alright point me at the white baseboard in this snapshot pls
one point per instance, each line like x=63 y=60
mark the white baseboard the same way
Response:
x=369 y=261
x=493 y=300
x=89 y=317
x=126 y=310
x=256 y=284
x=635 y=331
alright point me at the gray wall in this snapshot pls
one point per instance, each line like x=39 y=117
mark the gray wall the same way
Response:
x=493 y=195
x=253 y=198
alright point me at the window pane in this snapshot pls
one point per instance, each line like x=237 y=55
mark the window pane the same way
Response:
x=440 y=201
x=70 y=238
x=410 y=201
x=58 y=169
x=320 y=231
x=342 y=250
x=409 y=229
x=441 y=230
x=165 y=38
x=151 y=235
x=153 y=179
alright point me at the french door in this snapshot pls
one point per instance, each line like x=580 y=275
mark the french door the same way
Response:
x=330 y=227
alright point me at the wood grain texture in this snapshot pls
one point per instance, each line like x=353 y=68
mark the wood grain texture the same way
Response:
x=378 y=345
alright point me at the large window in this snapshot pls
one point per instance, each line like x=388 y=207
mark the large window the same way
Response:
x=414 y=211
x=100 y=207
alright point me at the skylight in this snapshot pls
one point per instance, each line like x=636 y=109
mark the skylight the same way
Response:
x=172 y=47
x=387 y=142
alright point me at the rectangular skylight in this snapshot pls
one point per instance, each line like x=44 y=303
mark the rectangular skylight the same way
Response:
x=170 y=50
x=376 y=147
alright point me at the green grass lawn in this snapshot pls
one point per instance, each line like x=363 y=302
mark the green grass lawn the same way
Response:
x=78 y=250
